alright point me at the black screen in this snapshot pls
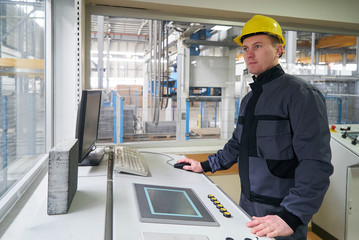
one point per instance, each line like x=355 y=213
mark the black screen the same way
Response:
x=87 y=126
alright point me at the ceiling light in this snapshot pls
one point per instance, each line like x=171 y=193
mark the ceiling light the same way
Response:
x=220 y=28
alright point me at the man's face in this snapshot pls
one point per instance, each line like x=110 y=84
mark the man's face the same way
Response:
x=260 y=54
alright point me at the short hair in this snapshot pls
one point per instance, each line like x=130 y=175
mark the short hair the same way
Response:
x=274 y=40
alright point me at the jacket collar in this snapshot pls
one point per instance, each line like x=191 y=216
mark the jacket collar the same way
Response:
x=269 y=75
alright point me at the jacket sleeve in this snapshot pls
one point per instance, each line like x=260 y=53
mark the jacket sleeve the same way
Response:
x=226 y=157
x=311 y=144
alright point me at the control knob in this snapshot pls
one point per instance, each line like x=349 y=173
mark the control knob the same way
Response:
x=355 y=140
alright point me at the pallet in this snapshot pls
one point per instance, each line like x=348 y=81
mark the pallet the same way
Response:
x=207 y=132
x=162 y=137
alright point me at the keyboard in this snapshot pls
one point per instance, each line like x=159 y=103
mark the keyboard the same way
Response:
x=131 y=161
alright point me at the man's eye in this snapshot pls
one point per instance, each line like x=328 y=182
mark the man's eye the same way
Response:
x=258 y=46
x=244 y=49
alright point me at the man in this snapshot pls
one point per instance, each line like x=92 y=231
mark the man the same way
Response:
x=281 y=141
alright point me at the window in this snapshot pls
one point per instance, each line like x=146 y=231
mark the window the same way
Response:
x=136 y=60
x=328 y=61
x=22 y=89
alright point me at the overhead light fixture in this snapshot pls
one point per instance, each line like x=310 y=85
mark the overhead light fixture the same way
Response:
x=120 y=53
x=221 y=28
x=113 y=59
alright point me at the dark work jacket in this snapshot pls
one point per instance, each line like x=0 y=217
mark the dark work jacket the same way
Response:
x=281 y=144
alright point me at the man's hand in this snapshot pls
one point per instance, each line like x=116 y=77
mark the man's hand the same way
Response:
x=195 y=165
x=270 y=226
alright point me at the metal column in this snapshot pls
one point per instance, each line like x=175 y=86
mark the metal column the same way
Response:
x=100 y=47
x=5 y=146
x=183 y=65
x=291 y=49
x=313 y=62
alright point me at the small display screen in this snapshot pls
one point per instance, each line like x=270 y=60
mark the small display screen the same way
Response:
x=181 y=204
x=173 y=205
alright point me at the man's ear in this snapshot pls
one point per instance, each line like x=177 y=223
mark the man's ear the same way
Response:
x=280 y=50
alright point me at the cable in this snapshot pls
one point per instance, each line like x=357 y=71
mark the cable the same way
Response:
x=166 y=155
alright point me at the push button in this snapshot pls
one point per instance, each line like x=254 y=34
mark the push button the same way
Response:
x=219 y=206
x=222 y=210
x=227 y=214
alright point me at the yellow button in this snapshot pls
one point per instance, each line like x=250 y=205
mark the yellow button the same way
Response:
x=216 y=202
x=226 y=214
x=223 y=210
x=219 y=206
x=210 y=196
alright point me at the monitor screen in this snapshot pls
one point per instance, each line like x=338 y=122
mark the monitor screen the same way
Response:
x=87 y=127
x=173 y=205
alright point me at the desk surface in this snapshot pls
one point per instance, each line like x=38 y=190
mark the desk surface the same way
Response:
x=126 y=213
x=86 y=217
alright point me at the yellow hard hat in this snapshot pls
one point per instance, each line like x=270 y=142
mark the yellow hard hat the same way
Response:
x=259 y=24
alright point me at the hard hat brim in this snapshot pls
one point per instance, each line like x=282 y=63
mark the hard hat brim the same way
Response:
x=240 y=38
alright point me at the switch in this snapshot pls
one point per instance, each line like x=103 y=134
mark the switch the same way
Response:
x=355 y=141
x=345 y=129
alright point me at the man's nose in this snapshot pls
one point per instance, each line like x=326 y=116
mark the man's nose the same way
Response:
x=250 y=53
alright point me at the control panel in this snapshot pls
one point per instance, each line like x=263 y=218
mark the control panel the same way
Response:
x=348 y=135
x=339 y=214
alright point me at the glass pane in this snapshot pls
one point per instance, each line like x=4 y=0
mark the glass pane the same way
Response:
x=329 y=62
x=22 y=109
x=136 y=61
x=140 y=61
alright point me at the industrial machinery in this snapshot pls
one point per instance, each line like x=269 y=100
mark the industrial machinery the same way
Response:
x=339 y=214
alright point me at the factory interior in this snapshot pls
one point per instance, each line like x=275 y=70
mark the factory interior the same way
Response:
x=172 y=80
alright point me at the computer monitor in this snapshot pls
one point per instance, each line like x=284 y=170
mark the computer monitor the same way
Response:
x=87 y=127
